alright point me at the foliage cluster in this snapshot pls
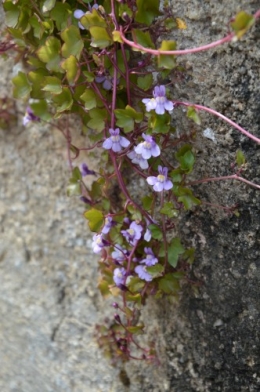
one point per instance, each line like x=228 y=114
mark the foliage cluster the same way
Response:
x=96 y=61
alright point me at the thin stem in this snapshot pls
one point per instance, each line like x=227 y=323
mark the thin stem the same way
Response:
x=231 y=177
x=157 y=52
x=212 y=111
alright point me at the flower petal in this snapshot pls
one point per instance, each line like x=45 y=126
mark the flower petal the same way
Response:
x=107 y=144
x=124 y=142
x=158 y=187
x=151 y=180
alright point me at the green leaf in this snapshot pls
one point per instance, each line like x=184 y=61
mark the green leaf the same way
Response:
x=169 y=210
x=147 y=11
x=37 y=26
x=165 y=60
x=40 y=109
x=193 y=115
x=117 y=36
x=63 y=100
x=73 y=43
x=127 y=117
x=12 y=13
x=189 y=255
x=52 y=84
x=89 y=76
x=100 y=37
x=142 y=38
x=89 y=99
x=37 y=78
x=186 y=158
x=136 y=284
x=49 y=53
x=95 y=219
x=147 y=202
x=155 y=231
x=156 y=270
x=74 y=188
x=169 y=284
x=145 y=82
x=136 y=214
x=160 y=123
x=48 y=5
x=136 y=330
x=70 y=65
x=186 y=197
x=60 y=14
x=93 y=18
x=240 y=158
x=22 y=87
x=98 y=118
x=116 y=236
x=175 y=249
x=243 y=21
x=76 y=174
x=176 y=176
x=124 y=9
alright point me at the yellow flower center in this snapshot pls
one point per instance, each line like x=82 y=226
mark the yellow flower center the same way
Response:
x=147 y=145
x=115 y=139
x=131 y=231
x=99 y=241
x=161 y=178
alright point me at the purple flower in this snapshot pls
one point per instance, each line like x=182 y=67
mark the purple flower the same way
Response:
x=85 y=200
x=108 y=224
x=85 y=170
x=138 y=159
x=133 y=234
x=98 y=243
x=115 y=141
x=29 y=116
x=147 y=148
x=159 y=102
x=142 y=273
x=119 y=276
x=119 y=254
x=150 y=258
x=106 y=80
x=160 y=182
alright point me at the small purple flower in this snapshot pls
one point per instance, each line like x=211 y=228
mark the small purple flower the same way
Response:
x=85 y=200
x=119 y=276
x=143 y=274
x=138 y=159
x=108 y=224
x=115 y=141
x=148 y=148
x=30 y=116
x=159 y=102
x=119 y=254
x=85 y=170
x=133 y=234
x=150 y=258
x=160 y=182
x=98 y=243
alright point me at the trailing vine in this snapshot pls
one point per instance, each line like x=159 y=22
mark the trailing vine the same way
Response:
x=97 y=61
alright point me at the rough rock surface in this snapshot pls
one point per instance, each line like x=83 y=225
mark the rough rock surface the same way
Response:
x=49 y=303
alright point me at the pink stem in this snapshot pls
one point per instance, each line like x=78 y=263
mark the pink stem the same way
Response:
x=157 y=52
x=232 y=177
x=212 y=111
